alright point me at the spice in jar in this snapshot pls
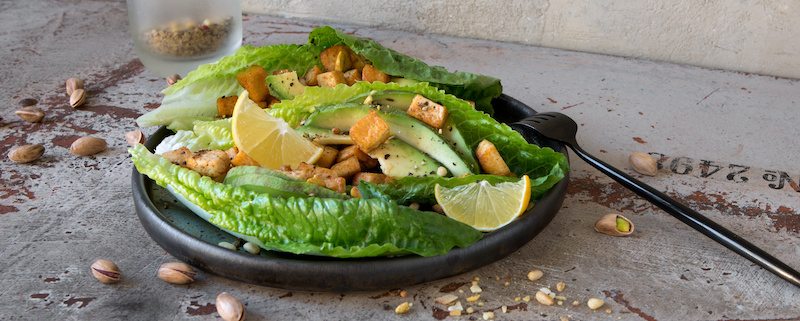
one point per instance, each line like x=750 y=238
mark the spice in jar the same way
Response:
x=190 y=39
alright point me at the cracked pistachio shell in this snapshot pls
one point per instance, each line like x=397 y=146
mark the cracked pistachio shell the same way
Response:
x=608 y=225
x=106 y=271
x=176 y=273
x=643 y=164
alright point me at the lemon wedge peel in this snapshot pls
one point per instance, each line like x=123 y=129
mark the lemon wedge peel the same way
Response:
x=483 y=206
x=269 y=140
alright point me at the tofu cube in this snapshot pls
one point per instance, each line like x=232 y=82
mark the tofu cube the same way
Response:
x=347 y=168
x=328 y=157
x=254 y=80
x=370 y=132
x=225 y=106
x=211 y=163
x=376 y=178
x=372 y=74
x=490 y=160
x=352 y=76
x=336 y=183
x=178 y=156
x=331 y=79
x=311 y=75
x=428 y=111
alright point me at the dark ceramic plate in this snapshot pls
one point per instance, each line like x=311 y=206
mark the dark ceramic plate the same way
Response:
x=193 y=240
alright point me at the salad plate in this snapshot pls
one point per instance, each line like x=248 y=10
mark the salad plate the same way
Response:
x=191 y=239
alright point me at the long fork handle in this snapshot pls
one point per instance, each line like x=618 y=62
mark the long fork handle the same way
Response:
x=694 y=219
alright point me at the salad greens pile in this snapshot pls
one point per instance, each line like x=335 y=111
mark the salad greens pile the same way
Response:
x=379 y=223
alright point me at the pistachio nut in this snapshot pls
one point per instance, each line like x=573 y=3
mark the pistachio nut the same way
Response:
x=643 y=164
x=87 y=145
x=77 y=98
x=74 y=84
x=176 y=273
x=229 y=308
x=173 y=79
x=30 y=114
x=26 y=153
x=106 y=271
x=614 y=225
x=135 y=137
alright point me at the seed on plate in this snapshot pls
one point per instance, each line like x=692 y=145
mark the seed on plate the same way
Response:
x=595 y=303
x=251 y=248
x=227 y=245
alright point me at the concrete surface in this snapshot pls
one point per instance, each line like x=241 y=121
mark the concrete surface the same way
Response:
x=756 y=36
x=724 y=139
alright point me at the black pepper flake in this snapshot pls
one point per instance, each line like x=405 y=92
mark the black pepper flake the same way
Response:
x=386 y=156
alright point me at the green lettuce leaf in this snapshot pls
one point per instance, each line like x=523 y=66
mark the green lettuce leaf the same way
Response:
x=195 y=97
x=478 y=88
x=215 y=134
x=333 y=227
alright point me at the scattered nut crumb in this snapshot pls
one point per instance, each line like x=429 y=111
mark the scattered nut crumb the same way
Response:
x=560 y=286
x=455 y=313
x=527 y=298
x=563 y=319
x=474 y=298
x=535 y=275
x=595 y=303
x=403 y=294
x=402 y=308
x=446 y=299
x=475 y=288
x=544 y=298
x=575 y=303
x=504 y=309
x=608 y=310
x=470 y=310
x=507 y=283
x=488 y=315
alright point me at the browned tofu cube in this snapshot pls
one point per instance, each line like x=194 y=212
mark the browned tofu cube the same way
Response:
x=254 y=80
x=332 y=56
x=225 y=106
x=336 y=183
x=328 y=157
x=211 y=163
x=178 y=156
x=428 y=111
x=367 y=162
x=242 y=159
x=376 y=178
x=311 y=75
x=357 y=61
x=331 y=79
x=372 y=74
x=369 y=132
x=351 y=76
x=490 y=160
x=347 y=168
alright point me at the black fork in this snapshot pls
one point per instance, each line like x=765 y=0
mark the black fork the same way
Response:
x=562 y=128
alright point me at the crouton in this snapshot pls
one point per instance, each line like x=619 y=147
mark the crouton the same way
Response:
x=376 y=178
x=211 y=163
x=254 y=80
x=332 y=56
x=428 y=111
x=311 y=75
x=369 y=132
x=490 y=160
x=367 y=162
x=331 y=79
x=225 y=106
x=371 y=74
x=347 y=168
x=328 y=157
x=178 y=156
x=352 y=76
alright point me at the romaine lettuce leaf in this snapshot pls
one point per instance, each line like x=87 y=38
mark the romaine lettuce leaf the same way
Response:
x=478 y=88
x=195 y=97
x=215 y=134
x=333 y=227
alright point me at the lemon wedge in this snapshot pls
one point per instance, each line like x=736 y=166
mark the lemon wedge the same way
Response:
x=484 y=206
x=269 y=140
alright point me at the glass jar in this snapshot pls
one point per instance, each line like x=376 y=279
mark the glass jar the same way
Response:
x=176 y=36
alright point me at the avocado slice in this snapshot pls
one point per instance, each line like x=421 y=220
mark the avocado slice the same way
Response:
x=399 y=159
x=402 y=126
x=285 y=86
x=324 y=136
x=274 y=185
x=394 y=98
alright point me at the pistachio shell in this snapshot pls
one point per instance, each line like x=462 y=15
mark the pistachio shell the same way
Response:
x=26 y=153
x=77 y=98
x=106 y=271
x=87 y=145
x=135 y=137
x=608 y=225
x=73 y=84
x=229 y=308
x=176 y=273
x=643 y=164
x=30 y=114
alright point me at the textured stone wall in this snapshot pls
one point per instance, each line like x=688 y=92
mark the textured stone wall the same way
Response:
x=756 y=36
